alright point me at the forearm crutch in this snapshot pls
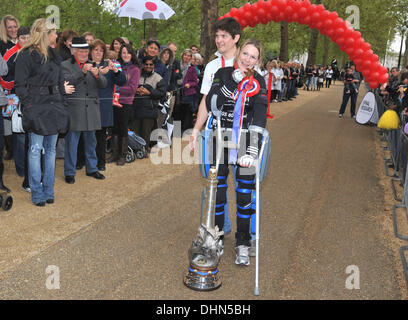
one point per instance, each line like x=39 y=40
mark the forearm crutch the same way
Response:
x=265 y=139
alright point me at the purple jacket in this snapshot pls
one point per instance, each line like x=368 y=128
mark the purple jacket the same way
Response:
x=128 y=91
x=192 y=79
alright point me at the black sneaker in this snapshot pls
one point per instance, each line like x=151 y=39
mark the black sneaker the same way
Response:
x=40 y=204
x=26 y=186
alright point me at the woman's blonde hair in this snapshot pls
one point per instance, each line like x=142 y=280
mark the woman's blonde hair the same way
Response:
x=185 y=52
x=3 y=29
x=254 y=43
x=40 y=31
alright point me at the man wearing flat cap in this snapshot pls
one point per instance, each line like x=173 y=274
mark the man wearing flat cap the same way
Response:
x=83 y=109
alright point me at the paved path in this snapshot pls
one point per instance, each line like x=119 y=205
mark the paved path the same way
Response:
x=321 y=205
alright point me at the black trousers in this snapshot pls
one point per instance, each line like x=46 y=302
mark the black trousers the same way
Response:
x=274 y=94
x=143 y=128
x=122 y=118
x=101 y=146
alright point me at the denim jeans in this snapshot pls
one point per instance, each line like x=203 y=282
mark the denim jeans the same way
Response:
x=41 y=191
x=71 y=148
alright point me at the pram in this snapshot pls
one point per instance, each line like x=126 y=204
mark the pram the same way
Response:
x=136 y=147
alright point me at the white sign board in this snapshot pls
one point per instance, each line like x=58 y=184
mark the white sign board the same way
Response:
x=368 y=111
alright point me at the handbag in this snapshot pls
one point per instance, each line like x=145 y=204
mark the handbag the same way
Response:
x=17 y=121
x=13 y=102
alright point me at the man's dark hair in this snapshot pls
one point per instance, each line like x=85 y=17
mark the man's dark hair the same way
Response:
x=229 y=25
x=23 y=30
x=147 y=58
x=130 y=49
x=404 y=76
x=153 y=42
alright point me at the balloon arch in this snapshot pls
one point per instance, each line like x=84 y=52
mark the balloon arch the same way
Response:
x=316 y=17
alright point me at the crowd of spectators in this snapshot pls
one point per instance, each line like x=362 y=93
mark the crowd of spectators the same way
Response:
x=107 y=90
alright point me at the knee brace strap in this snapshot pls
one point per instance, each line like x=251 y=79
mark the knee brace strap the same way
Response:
x=246 y=191
x=219 y=213
x=243 y=216
x=246 y=181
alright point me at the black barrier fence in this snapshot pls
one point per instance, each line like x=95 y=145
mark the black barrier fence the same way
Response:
x=394 y=144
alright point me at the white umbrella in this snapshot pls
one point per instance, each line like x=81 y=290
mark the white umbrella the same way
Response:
x=143 y=10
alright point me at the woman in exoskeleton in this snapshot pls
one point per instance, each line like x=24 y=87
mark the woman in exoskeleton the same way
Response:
x=242 y=98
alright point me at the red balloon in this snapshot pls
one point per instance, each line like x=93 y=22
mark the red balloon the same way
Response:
x=327 y=24
x=295 y=17
x=330 y=33
x=307 y=20
x=350 y=42
x=274 y=11
x=281 y=4
x=356 y=35
x=234 y=12
x=366 y=64
x=358 y=61
x=334 y=15
x=341 y=41
x=373 y=85
x=366 y=46
x=248 y=16
x=375 y=58
x=247 y=7
x=288 y=13
x=376 y=76
x=384 y=78
x=325 y=14
x=339 y=22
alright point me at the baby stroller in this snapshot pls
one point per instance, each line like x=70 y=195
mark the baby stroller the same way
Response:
x=136 y=148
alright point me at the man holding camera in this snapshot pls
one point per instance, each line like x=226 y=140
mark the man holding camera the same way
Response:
x=348 y=93
x=83 y=109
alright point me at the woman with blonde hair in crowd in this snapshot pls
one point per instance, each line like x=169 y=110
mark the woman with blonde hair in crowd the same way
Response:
x=8 y=33
x=40 y=85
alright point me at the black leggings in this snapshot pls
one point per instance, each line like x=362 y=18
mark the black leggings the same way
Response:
x=246 y=185
x=122 y=118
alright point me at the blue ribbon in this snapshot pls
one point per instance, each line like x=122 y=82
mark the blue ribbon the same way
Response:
x=233 y=156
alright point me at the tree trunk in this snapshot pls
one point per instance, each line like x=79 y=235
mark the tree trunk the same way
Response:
x=209 y=16
x=314 y=37
x=152 y=34
x=326 y=51
x=284 y=49
x=405 y=60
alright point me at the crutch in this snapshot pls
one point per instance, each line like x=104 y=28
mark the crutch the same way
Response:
x=265 y=137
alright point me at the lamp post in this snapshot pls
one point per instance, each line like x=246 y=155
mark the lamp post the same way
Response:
x=403 y=30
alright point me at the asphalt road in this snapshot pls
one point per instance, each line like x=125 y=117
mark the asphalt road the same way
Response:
x=321 y=203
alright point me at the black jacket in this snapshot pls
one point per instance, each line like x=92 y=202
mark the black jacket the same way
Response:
x=40 y=87
x=4 y=46
x=255 y=107
x=146 y=107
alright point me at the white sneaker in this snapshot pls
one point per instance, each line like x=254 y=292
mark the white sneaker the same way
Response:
x=162 y=145
x=220 y=248
x=242 y=253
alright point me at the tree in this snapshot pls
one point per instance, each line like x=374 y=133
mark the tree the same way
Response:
x=284 y=48
x=209 y=16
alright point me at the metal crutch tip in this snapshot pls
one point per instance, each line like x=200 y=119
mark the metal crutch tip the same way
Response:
x=256 y=292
